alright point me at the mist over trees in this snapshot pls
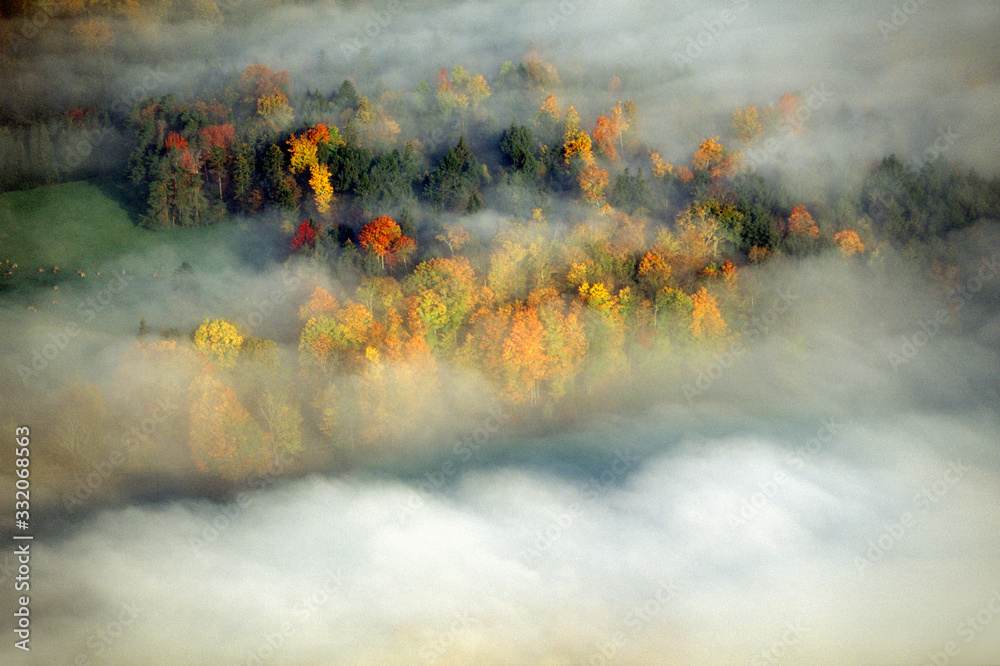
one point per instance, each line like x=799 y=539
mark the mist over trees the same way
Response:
x=479 y=254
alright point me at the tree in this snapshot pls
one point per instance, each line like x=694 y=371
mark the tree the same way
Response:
x=259 y=81
x=800 y=223
x=550 y=107
x=708 y=155
x=455 y=236
x=223 y=438
x=320 y=304
x=576 y=145
x=220 y=340
x=303 y=152
x=631 y=192
x=524 y=354
x=848 y=242
x=455 y=178
x=706 y=320
x=442 y=294
x=654 y=272
x=593 y=179
x=388 y=184
x=605 y=134
x=319 y=181
x=383 y=238
x=746 y=124
x=518 y=146
x=243 y=173
x=305 y=236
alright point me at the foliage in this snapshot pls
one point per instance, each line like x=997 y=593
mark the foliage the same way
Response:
x=220 y=340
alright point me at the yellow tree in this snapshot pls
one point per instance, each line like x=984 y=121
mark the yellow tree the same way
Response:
x=593 y=179
x=706 y=320
x=220 y=340
x=275 y=111
x=661 y=167
x=478 y=88
x=319 y=181
x=709 y=154
x=551 y=106
x=746 y=123
x=223 y=438
x=303 y=152
x=576 y=142
x=565 y=339
x=848 y=242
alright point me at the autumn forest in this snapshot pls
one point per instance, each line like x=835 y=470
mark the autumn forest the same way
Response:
x=427 y=270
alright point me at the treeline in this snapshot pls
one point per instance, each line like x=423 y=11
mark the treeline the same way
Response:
x=340 y=159
x=606 y=255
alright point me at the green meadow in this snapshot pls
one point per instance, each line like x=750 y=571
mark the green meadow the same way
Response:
x=69 y=232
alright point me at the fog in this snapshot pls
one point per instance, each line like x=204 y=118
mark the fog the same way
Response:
x=891 y=80
x=826 y=492
x=829 y=496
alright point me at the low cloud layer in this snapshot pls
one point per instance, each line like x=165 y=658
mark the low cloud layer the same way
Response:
x=828 y=496
x=825 y=492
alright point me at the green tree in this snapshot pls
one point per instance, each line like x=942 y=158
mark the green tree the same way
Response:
x=519 y=147
x=455 y=178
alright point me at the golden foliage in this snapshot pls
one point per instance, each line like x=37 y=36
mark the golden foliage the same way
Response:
x=551 y=106
x=319 y=181
x=220 y=340
x=706 y=320
x=592 y=180
x=849 y=242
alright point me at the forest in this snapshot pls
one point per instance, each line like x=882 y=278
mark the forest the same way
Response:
x=568 y=332
x=608 y=253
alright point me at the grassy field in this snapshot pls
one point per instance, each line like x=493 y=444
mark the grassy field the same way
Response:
x=68 y=232
x=74 y=225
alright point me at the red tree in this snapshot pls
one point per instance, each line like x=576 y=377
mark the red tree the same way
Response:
x=305 y=236
x=383 y=238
